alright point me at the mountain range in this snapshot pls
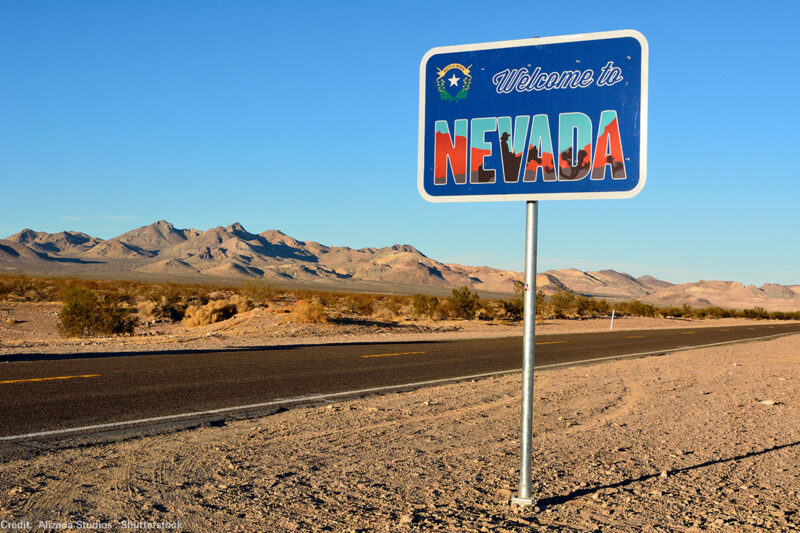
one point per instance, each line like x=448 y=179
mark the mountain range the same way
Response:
x=160 y=252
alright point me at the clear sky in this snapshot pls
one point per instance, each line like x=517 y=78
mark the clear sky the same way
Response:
x=302 y=116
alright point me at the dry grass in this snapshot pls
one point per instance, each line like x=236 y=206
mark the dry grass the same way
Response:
x=210 y=313
x=216 y=310
x=309 y=312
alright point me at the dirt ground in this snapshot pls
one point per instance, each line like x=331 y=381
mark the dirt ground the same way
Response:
x=696 y=440
x=32 y=328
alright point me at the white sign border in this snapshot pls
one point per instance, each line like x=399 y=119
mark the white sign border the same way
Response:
x=597 y=36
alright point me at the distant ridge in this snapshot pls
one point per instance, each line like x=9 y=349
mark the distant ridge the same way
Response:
x=160 y=251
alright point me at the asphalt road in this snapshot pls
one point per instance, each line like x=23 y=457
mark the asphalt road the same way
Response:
x=47 y=393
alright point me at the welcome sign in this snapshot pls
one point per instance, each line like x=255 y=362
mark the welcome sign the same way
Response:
x=546 y=118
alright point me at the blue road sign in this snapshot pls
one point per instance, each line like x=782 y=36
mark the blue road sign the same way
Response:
x=535 y=119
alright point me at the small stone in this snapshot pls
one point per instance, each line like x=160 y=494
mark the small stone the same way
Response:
x=406 y=519
x=503 y=494
x=664 y=474
x=768 y=402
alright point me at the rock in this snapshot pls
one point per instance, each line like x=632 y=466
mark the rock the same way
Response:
x=406 y=519
x=769 y=402
x=664 y=474
x=503 y=494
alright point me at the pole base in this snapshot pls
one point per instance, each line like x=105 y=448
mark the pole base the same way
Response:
x=517 y=500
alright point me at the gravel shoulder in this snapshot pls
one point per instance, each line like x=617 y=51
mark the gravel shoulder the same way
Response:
x=695 y=440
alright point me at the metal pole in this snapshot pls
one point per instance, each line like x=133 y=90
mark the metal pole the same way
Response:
x=528 y=356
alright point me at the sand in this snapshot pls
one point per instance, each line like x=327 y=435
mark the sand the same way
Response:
x=695 y=440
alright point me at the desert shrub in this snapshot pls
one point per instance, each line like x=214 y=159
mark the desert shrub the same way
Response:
x=210 y=313
x=583 y=306
x=393 y=303
x=463 y=303
x=489 y=310
x=147 y=310
x=309 y=312
x=785 y=315
x=424 y=305
x=601 y=307
x=635 y=308
x=514 y=308
x=562 y=303
x=85 y=313
x=383 y=314
x=242 y=303
x=169 y=306
x=670 y=312
x=756 y=312
x=360 y=304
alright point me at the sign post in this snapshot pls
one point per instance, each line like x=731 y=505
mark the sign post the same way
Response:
x=528 y=354
x=554 y=118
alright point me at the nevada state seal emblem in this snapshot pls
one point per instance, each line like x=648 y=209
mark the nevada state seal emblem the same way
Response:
x=453 y=88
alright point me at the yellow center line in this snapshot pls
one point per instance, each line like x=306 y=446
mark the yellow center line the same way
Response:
x=688 y=333
x=550 y=342
x=391 y=354
x=724 y=330
x=751 y=328
x=635 y=337
x=48 y=379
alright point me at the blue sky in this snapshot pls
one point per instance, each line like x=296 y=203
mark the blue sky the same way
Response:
x=302 y=116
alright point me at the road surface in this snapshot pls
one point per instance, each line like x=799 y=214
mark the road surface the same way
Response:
x=60 y=395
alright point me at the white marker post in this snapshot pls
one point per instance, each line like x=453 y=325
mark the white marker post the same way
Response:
x=612 y=320
x=528 y=356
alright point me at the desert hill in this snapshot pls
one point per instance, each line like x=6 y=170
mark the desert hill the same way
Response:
x=160 y=251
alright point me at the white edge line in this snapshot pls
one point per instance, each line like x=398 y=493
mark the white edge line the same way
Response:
x=316 y=397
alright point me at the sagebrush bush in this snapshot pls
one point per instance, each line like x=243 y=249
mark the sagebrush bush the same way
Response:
x=85 y=313
x=309 y=312
x=562 y=303
x=424 y=305
x=514 y=308
x=463 y=303
x=383 y=314
x=360 y=304
x=210 y=313
x=147 y=310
